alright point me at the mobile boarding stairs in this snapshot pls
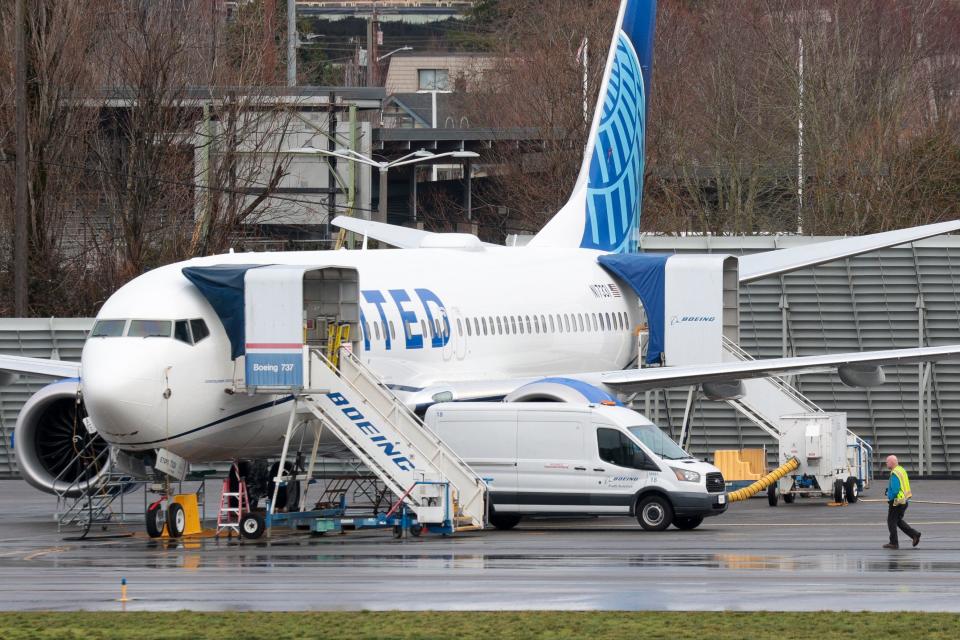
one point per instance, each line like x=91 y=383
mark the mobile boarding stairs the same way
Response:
x=299 y=327
x=698 y=297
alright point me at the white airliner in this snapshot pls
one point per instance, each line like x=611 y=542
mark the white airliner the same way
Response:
x=444 y=316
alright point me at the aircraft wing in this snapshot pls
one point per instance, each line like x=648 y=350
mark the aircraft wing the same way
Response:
x=771 y=263
x=407 y=238
x=39 y=366
x=630 y=380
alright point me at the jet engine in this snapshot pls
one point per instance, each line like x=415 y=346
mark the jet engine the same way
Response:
x=55 y=451
x=560 y=390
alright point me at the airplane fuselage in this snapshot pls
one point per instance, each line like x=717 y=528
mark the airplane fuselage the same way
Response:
x=429 y=316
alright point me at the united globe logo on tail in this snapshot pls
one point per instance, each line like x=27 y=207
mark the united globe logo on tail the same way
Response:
x=616 y=168
x=603 y=212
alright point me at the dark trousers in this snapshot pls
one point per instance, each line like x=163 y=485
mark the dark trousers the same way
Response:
x=895 y=520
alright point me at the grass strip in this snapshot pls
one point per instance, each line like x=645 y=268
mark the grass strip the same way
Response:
x=183 y=625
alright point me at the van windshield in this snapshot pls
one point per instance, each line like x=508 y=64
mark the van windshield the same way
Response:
x=658 y=442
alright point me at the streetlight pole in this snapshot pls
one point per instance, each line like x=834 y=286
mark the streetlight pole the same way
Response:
x=384 y=192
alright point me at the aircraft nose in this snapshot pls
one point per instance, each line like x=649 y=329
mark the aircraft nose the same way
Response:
x=123 y=389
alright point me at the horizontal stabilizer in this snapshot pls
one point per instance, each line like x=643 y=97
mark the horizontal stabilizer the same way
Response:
x=771 y=263
x=407 y=238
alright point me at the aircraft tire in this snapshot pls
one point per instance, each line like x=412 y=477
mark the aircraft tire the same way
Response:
x=155 y=519
x=176 y=520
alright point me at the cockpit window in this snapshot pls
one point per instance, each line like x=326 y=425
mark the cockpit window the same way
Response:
x=200 y=330
x=108 y=329
x=150 y=328
x=181 y=331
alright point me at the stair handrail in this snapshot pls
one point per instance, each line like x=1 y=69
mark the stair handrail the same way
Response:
x=738 y=352
x=444 y=452
x=399 y=406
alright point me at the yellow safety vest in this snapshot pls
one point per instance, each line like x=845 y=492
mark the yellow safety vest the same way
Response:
x=904 y=494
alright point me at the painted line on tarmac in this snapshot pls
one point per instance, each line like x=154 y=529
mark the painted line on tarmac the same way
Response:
x=43 y=552
x=738 y=524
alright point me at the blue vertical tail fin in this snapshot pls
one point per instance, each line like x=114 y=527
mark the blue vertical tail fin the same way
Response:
x=603 y=211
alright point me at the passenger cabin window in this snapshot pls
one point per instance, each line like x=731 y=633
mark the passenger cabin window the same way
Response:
x=616 y=448
x=108 y=329
x=150 y=328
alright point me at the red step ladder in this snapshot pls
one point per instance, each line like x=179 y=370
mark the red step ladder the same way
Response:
x=233 y=504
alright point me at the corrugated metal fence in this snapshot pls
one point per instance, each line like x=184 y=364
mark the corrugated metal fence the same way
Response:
x=864 y=303
x=58 y=338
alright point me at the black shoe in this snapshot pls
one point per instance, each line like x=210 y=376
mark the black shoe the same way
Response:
x=916 y=540
x=891 y=546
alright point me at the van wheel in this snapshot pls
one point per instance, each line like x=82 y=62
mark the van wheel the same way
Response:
x=687 y=524
x=654 y=513
x=504 y=521
x=853 y=489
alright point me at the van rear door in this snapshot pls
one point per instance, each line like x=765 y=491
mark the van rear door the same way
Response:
x=551 y=462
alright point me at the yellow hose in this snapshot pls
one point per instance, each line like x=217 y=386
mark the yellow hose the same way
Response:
x=764 y=482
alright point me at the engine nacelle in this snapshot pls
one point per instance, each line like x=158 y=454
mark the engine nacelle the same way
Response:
x=49 y=436
x=560 y=390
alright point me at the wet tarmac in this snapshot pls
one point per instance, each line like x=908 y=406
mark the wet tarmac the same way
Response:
x=804 y=556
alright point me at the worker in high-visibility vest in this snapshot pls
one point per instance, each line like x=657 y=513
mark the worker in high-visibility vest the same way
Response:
x=898 y=498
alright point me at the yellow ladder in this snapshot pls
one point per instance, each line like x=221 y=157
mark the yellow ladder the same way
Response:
x=337 y=334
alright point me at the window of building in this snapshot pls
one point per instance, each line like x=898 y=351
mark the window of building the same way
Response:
x=433 y=79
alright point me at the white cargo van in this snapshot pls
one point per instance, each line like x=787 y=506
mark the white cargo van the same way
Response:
x=563 y=458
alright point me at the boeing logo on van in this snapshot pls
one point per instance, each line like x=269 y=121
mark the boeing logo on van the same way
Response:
x=675 y=320
x=371 y=431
